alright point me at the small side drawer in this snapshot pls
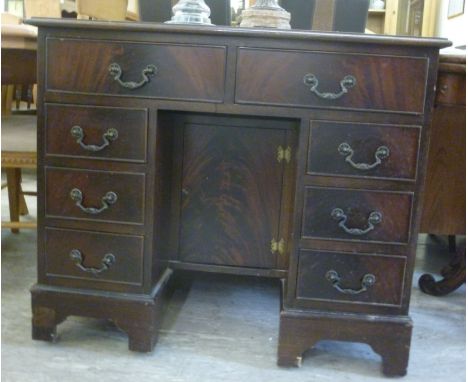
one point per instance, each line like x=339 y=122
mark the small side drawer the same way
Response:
x=101 y=260
x=352 y=278
x=171 y=71
x=95 y=195
x=331 y=80
x=363 y=150
x=364 y=215
x=96 y=132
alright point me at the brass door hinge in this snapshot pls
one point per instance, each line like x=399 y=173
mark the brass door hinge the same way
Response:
x=284 y=154
x=278 y=246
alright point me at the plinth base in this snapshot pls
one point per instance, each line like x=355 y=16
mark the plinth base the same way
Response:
x=388 y=336
x=137 y=315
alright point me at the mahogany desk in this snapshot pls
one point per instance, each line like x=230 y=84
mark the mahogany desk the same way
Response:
x=294 y=155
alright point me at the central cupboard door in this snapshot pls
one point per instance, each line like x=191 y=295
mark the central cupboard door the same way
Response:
x=232 y=190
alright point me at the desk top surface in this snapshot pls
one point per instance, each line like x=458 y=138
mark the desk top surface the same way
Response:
x=239 y=32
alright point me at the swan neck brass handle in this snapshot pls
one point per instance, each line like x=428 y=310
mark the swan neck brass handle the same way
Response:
x=310 y=80
x=381 y=153
x=367 y=281
x=109 y=136
x=107 y=200
x=77 y=258
x=115 y=71
x=374 y=218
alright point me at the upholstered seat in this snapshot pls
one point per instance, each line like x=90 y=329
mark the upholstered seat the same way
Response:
x=19 y=133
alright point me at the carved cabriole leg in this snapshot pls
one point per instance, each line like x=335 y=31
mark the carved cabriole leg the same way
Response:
x=454 y=276
x=390 y=337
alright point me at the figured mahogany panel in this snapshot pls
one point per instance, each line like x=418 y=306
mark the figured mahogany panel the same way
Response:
x=94 y=185
x=125 y=269
x=181 y=71
x=119 y=133
x=383 y=83
x=444 y=205
x=388 y=151
x=231 y=194
x=314 y=267
x=357 y=207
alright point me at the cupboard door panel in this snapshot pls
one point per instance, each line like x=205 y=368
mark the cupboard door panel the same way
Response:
x=231 y=193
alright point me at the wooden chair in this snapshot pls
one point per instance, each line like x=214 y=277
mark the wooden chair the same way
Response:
x=18 y=152
x=102 y=9
x=19 y=45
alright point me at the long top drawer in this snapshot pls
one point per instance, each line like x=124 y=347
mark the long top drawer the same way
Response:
x=173 y=71
x=331 y=80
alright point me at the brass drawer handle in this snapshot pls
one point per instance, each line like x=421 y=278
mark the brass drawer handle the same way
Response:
x=107 y=200
x=381 y=153
x=115 y=71
x=375 y=218
x=109 y=136
x=77 y=258
x=367 y=281
x=346 y=83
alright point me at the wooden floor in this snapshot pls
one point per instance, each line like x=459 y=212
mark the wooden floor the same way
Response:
x=219 y=330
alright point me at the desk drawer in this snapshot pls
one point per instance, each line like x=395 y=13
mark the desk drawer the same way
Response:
x=353 y=278
x=370 y=216
x=95 y=195
x=363 y=150
x=101 y=260
x=136 y=69
x=331 y=80
x=96 y=132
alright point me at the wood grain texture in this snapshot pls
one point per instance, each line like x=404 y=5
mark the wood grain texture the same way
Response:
x=125 y=273
x=136 y=314
x=184 y=72
x=95 y=26
x=207 y=194
x=130 y=190
x=313 y=285
x=364 y=139
x=357 y=205
x=231 y=194
x=19 y=67
x=131 y=125
x=383 y=83
x=451 y=88
x=444 y=211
